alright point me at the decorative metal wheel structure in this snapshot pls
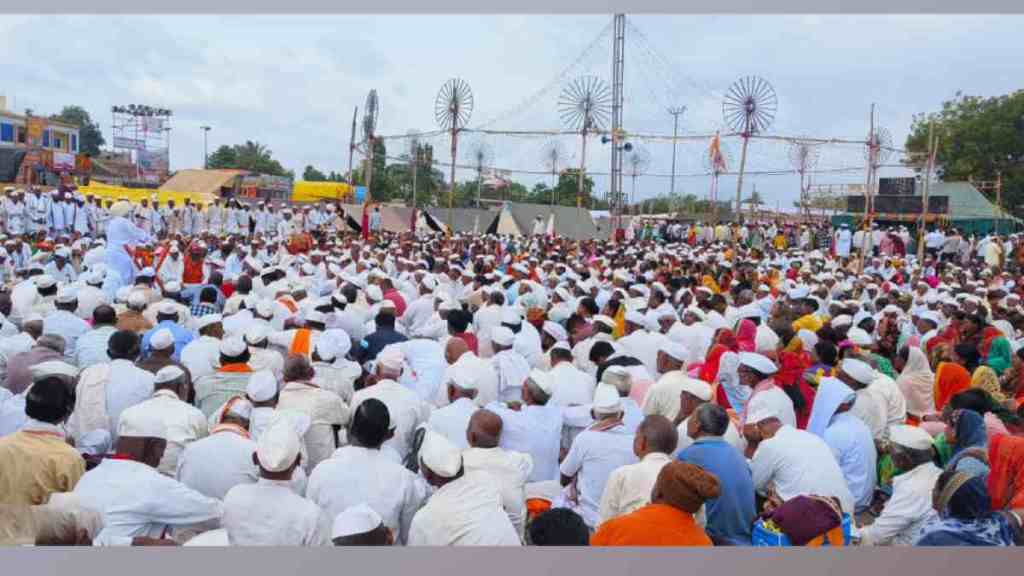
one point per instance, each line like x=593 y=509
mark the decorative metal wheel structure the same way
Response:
x=453 y=108
x=638 y=160
x=748 y=108
x=552 y=156
x=479 y=155
x=585 y=106
x=371 y=111
x=804 y=155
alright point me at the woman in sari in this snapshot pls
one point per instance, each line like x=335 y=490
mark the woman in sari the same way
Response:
x=746 y=336
x=965 y=443
x=993 y=346
x=793 y=361
x=916 y=381
x=950 y=378
x=966 y=517
x=1006 y=474
x=985 y=378
x=723 y=342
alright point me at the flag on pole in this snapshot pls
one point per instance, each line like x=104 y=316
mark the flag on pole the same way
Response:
x=715 y=152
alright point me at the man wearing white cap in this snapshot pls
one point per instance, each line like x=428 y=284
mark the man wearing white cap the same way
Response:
x=182 y=421
x=510 y=366
x=910 y=506
x=138 y=504
x=167 y=319
x=640 y=343
x=202 y=355
x=693 y=394
x=368 y=472
x=121 y=234
x=269 y=512
x=452 y=421
x=216 y=464
x=487 y=319
x=572 y=386
x=789 y=462
x=406 y=409
x=60 y=268
x=870 y=406
x=230 y=379
x=533 y=426
x=663 y=396
x=90 y=294
x=334 y=371
x=359 y=525
x=465 y=509
x=37 y=460
x=63 y=321
x=327 y=412
x=595 y=453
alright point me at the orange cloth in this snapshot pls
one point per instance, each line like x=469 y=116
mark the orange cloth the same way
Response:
x=834 y=536
x=1006 y=478
x=289 y=304
x=300 y=343
x=950 y=379
x=193 y=273
x=652 y=525
x=235 y=368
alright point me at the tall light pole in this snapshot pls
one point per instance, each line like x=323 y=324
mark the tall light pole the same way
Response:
x=206 y=156
x=675 y=112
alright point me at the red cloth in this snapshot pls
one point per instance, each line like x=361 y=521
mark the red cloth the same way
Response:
x=1006 y=475
x=791 y=372
x=396 y=297
x=193 y=273
x=746 y=336
x=470 y=340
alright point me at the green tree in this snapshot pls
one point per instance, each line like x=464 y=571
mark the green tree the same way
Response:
x=251 y=156
x=978 y=138
x=311 y=174
x=90 y=138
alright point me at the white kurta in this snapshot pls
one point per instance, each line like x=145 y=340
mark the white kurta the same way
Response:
x=798 y=463
x=909 y=508
x=184 y=424
x=406 y=409
x=592 y=459
x=464 y=512
x=269 y=513
x=534 y=430
x=136 y=500
x=214 y=465
x=572 y=385
x=511 y=469
x=452 y=421
x=201 y=356
x=325 y=410
x=67 y=325
x=629 y=487
x=355 y=475
x=92 y=347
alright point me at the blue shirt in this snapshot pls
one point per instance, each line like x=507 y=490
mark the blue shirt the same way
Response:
x=854 y=448
x=191 y=294
x=731 y=515
x=181 y=338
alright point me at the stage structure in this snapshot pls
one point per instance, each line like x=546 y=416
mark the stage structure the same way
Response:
x=144 y=132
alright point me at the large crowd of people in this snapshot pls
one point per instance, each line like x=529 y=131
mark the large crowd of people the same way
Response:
x=267 y=375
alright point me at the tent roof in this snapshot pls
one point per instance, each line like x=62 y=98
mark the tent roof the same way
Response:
x=567 y=222
x=203 y=181
x=967 y=202
x=464 y=219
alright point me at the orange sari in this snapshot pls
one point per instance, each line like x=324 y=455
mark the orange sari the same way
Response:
x=301 y=341
x=1006 y=472
x=950 y=380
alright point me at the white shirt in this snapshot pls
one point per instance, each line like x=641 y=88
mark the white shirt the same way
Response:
x=512 y=370
x=572 y=385
x=356 y=475
x=643 y=346
x=798 y=463
x=406 y=409
x=89 y=298
x=452 y=421
x=325 y=410
x=592 y=459
x=534 y=430
x=92 y=347
x=11 y=346
x=464 y=512
x=184 y=422
x=201 y=356
x=136 y=500
x=909 y=508
x=854 y=450
x=870 y=407
x=511 y=469
x=126 y=386
x=216 y=464
x=70 y=327
x=629 y=487
x=663 y=398
x=269 y=513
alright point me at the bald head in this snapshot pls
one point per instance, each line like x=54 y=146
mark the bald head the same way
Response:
x=656 y=434
x=484 y=429
x=454 y=350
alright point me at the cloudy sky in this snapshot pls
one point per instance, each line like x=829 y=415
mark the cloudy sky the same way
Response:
x=291 y=82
